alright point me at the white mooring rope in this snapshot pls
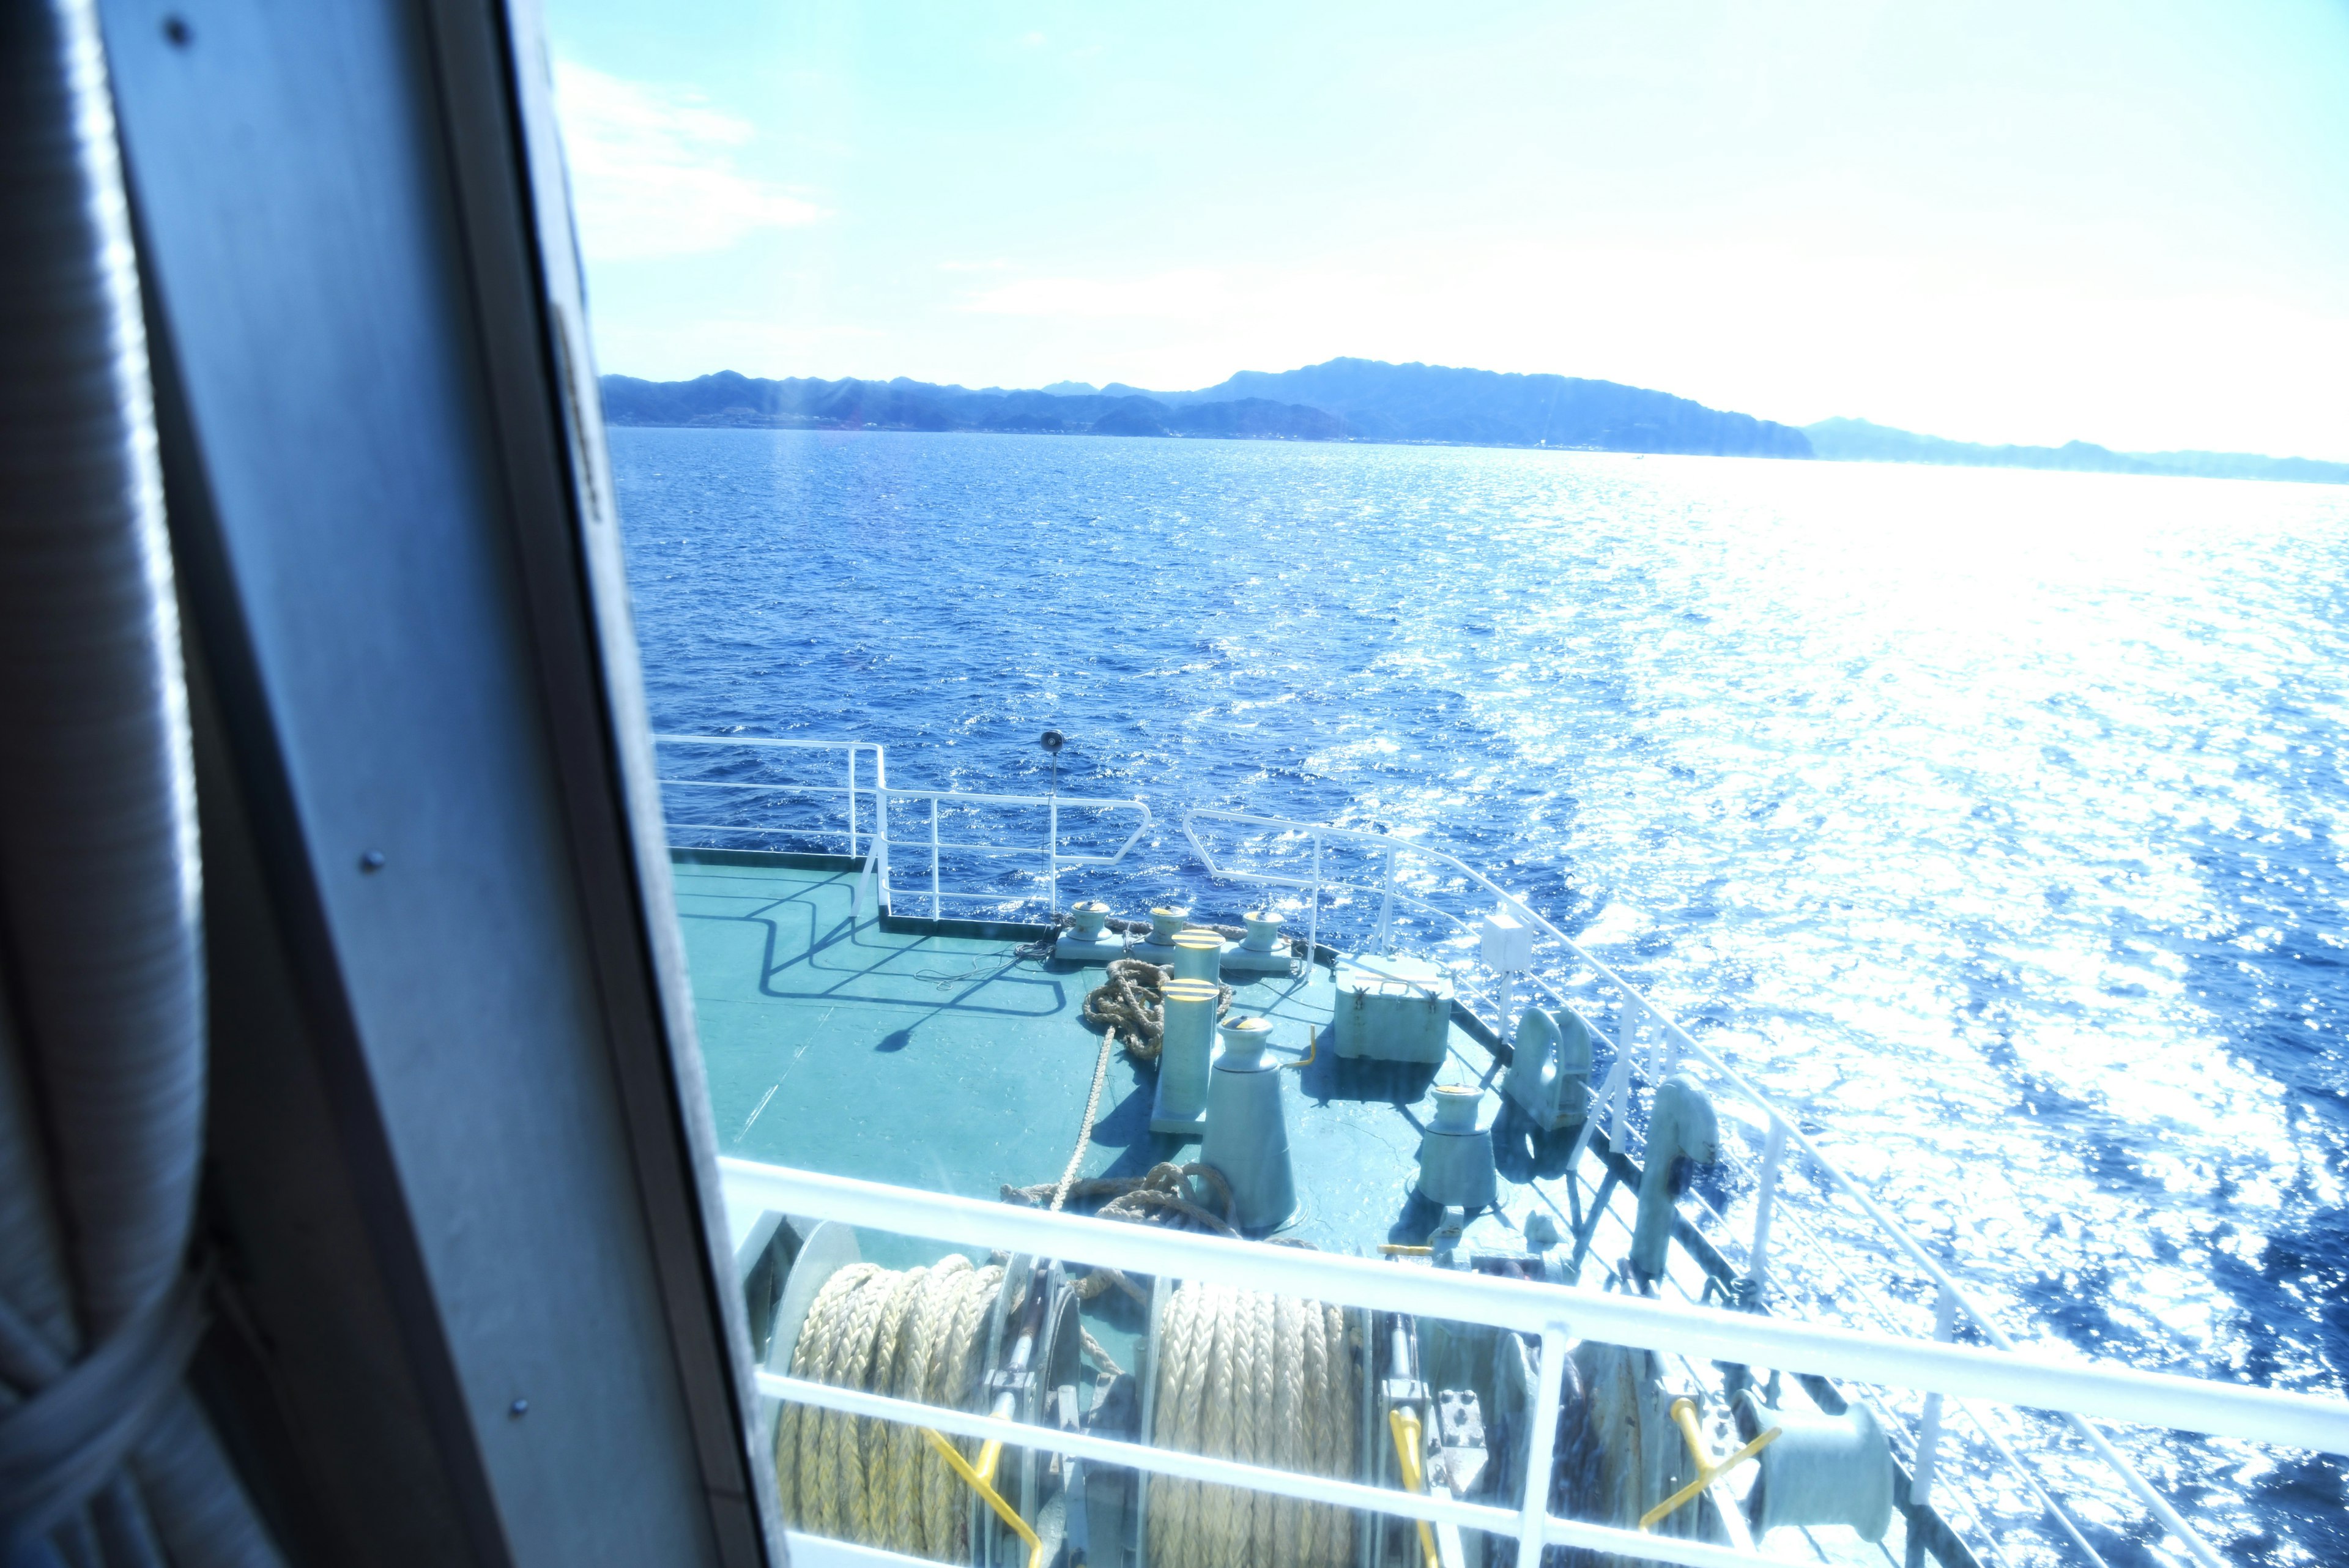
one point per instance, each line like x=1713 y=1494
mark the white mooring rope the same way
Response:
x=1272 y=1380
x=916 y=1336
x=1242 y=1375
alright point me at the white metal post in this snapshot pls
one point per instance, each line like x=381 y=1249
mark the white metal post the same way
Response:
x=852 y=800
x=1765 y=1199
x=1626 y=1043
x=1053 y=855
x=1386 y=906
x=1542 y=1447
x=1313 y=920
x=935 y=902
x=881 y=820
x=1610 y=1094
x=1928 y=1430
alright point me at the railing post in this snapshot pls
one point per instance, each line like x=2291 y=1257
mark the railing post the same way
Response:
x=1765 y=1199
x=1542 y=1447
x=1053 y=855
x=937 y=903
x=1928 y=1430
x=881 y=826
x=1313 y=920
x=1386 y=906
x=1626 y=1043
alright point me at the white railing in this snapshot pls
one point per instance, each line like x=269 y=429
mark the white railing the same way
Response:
x=1425 y=897
x=1412 y=879
x=1555 y=1314
x=1044 y=844
x=855 y=782
x=929 y=819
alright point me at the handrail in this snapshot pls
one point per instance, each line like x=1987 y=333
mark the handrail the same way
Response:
x=2274 y=1417
x=1781 y=1127
x=2159 y=1400
x=851 y=790
x=1250 y=1477
x=1099 y=802
x=875 y=844
x=1054 y=858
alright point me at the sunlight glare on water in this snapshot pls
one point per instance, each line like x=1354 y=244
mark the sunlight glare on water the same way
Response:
x=1991 y=818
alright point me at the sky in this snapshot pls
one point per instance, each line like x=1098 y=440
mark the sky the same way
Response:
x=2119 y=222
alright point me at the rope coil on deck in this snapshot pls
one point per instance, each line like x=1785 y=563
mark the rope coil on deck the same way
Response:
x=915 y=1334
x=1271 y=1380
x=1131 y=1004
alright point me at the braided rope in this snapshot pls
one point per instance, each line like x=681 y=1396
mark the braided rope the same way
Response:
x=1247 y=1375
x=1085 y=1128
x=811 y=1358
x=855 y=1370
x=1313 y=1373
x=1288 y=1417
x=1131 y=1003
x=1177 y=1426
x=915 y=1334
x=1241 y=1374
x=908 y=1378
x=1346 y=1351
x=1275 y=1442
x=787 y=1423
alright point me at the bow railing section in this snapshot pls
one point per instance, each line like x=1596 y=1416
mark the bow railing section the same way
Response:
x=959 y=848
x=1382 y=893
x=1554 y=1315
x=756 y=792
x=1392 y=893
x=922 y=825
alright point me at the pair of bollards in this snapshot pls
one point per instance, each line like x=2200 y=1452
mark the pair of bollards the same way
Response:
x=1230 y=1098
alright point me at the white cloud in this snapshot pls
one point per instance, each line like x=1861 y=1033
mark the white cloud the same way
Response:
x=652 y=170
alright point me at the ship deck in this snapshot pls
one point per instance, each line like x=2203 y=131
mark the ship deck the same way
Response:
x=951 y=1062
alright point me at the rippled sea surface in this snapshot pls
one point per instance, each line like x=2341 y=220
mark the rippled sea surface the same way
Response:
x=1995 y=819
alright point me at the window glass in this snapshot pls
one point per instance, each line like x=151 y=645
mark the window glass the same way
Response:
x=1690 y=648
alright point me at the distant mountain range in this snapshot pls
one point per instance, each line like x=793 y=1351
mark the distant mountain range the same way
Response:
x=1345 y=399
x=1858 y=441
x=1368 y=399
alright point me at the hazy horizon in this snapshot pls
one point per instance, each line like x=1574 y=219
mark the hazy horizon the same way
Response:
x=2115 y=224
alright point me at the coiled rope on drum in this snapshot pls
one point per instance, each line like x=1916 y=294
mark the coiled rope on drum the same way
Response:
x=1271 y=1380
x=916 y=1335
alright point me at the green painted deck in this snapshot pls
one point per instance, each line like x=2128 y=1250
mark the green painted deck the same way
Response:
x=948 y=1063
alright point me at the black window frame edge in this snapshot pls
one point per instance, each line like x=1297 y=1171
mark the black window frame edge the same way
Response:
x=532 y=296
x=472 y=77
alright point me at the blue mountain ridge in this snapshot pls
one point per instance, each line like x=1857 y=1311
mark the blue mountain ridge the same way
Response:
x=1859 y=441
x=1371 y=399
x=1345 y=399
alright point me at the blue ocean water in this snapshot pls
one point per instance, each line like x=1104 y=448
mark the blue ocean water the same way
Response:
x=1992 y=818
